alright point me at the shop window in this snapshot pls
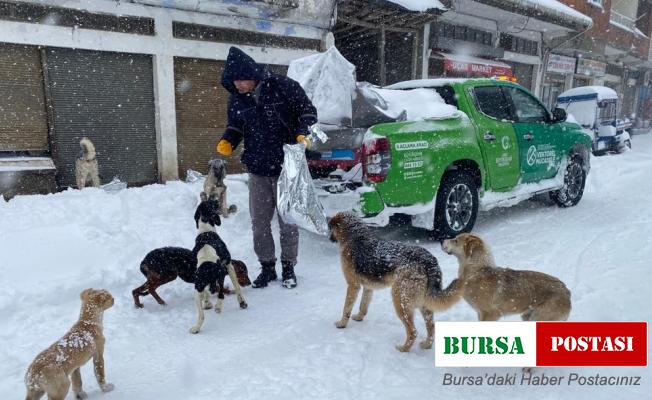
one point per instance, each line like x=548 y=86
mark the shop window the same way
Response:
x=492 y=102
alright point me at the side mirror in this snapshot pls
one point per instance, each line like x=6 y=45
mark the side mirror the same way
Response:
x=558 y=115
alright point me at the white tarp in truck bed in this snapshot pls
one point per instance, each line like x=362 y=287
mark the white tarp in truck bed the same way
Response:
x=329 y=81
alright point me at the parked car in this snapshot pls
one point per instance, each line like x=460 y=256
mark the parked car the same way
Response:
x=499 y=147
x=595 y=108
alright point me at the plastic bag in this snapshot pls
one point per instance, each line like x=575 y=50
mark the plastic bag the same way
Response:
x=297 y=199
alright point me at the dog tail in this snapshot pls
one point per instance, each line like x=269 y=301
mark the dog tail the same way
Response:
x=436 y=298
x=88 y=149
x=445 y=299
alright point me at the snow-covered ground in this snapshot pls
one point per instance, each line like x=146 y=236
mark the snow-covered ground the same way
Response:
x=285 y=346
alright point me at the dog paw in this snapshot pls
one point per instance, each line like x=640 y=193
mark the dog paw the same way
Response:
x=243 y=305
x=161 y=302
x=207 y=305
x=403 y=348
x=218 y=310
x=81 y=395
x=426 y=344
x=194 y=330
x=358 y=317
x=233 y=209
x=139 y=305
x=340 y=324
x=107 y=387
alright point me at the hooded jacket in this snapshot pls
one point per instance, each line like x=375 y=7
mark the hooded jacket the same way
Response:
x=274 y=114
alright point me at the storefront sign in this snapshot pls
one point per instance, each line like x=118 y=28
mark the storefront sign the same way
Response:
x=561 y=64
x=591 y=67
x=476 y=69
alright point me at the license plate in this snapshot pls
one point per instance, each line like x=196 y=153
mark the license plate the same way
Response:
x=338 y=154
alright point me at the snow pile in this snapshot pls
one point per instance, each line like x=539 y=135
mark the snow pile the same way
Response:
x=329 y=81
x=419 y=5
x=416 y=104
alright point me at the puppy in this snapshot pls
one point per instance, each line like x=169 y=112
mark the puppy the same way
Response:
x=86 y=165
x=215 y=189
x=411 y=271
x=54 y=368
x=493 y=291
x=213 y=262
x=164 y=265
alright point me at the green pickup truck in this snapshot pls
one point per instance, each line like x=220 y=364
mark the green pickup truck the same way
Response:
x=501 y=148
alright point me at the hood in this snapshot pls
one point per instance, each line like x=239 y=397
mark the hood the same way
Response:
x=240 y=66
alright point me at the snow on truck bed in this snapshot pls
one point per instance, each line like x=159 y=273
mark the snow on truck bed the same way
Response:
x=285 y=345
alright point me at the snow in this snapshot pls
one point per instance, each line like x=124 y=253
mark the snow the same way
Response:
x=418 y=104
x=424 y=83
x=582 y=112
x=419 y=5
x=556 y=7
x=285 y=345
x=602 y=92
x=324 y=77
x=15 y=164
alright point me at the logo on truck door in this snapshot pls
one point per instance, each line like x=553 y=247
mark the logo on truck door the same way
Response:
x=543 y=154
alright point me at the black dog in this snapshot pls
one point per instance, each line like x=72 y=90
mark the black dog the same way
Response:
x=164 y=265
x=213 y=262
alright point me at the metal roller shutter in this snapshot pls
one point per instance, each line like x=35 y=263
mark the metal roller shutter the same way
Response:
x=201 y=106
x=109 y=98
x=23 y=120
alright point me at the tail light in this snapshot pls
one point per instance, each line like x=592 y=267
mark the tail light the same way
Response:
x=376 y=159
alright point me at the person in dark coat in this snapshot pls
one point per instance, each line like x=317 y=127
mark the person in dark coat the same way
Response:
x=265 y=112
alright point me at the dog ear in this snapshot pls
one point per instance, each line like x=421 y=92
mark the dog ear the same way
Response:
x=198 y=214
x=472 y=244
x=217 y=220
x=85 y=295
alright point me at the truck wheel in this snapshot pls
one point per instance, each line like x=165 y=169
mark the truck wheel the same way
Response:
x=574 y=181
x=456 y=207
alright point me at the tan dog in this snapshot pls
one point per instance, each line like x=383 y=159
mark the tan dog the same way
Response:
x=54 y=368
x=215 y=189
x=411 y=271
x=494 y=292
x=86 y=165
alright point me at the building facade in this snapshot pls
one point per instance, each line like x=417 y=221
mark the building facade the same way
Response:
x=140 y=79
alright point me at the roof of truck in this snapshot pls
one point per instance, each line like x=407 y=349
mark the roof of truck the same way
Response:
x=437 y=82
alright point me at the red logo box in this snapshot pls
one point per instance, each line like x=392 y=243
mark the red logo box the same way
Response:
x=583 y=344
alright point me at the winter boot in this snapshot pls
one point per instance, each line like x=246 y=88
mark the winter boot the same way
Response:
x=289 y=279
x=267 y=274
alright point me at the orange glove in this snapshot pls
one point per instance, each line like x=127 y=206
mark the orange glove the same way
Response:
x=224 y=147
x=305 y=140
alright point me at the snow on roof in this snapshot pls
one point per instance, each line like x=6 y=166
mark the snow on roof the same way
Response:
x=601 y=92
x=424 y=83
x=417 y=103
x=555 y=7
x=419 y=5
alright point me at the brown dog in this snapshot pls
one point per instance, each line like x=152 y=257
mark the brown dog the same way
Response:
x=215 y=189
x=494 y=292
x=54 y=368
x=411 y=271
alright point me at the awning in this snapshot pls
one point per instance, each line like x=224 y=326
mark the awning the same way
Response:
x=474 y=66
